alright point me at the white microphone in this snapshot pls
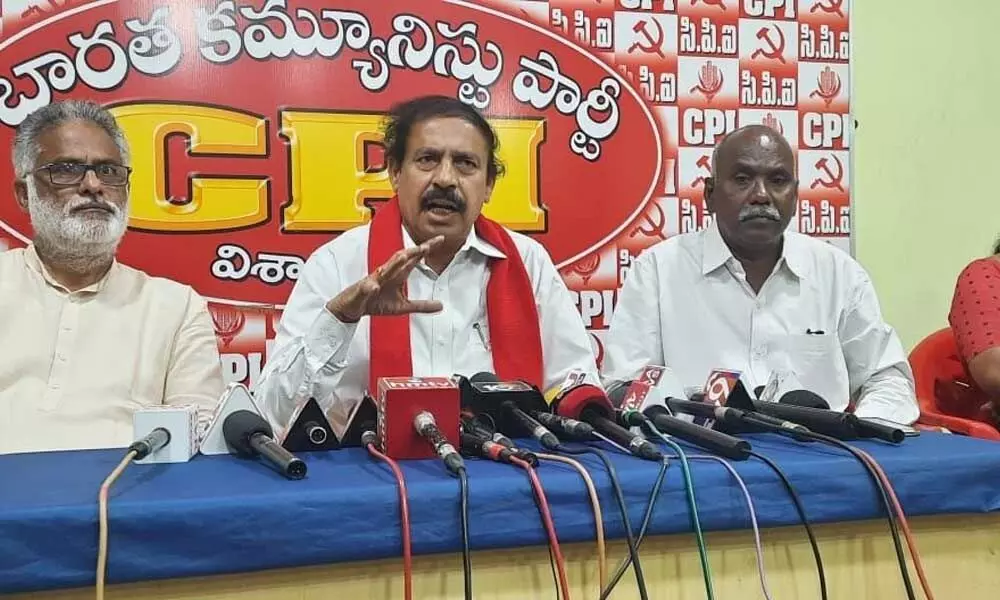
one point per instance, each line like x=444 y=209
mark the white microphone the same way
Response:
x=236 y=397
x=165 y=434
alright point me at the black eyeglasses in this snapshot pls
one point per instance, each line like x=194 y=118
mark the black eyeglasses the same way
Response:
x=72 y=173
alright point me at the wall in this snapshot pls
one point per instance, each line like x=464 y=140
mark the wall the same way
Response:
x=926 y=83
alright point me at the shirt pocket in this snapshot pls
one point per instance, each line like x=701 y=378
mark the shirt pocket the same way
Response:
x=478 y=349
x=817 y=360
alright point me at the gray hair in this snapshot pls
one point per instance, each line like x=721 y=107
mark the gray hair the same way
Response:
x=26 y=150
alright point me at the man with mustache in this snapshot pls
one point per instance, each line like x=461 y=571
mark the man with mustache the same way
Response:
x=84 y=339
x=430 y=287
x=745 y=294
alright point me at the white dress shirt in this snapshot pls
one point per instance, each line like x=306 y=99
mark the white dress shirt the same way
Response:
x=74 y=366
x=316 y=355
x=686 y=304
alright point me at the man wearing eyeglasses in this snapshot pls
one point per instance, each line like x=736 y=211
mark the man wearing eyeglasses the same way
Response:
x=85 y=340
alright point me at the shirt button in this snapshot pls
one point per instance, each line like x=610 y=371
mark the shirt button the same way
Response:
x=759 y=351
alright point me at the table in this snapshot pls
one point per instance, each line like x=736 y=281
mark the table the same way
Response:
x=225 y=515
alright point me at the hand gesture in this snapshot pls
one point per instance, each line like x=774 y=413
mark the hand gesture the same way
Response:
x=382 y=291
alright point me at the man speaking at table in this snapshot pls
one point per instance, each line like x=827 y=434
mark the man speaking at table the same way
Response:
x=85 y=340
x=430 y=287
x=745 y=294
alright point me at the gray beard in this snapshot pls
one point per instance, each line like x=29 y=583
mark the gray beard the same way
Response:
x=78 y=245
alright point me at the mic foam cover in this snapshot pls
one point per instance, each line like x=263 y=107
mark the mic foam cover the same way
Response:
x=804 y=398
x=579 y=398
x=484 y=377
x=240 y=426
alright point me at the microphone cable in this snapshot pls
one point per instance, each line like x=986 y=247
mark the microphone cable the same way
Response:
x=653 y=495
x=903 y=523
x=102 y=504
x=368 y=439
x=706 y=569
x=883 y=496
x=550 y=528
x=820 y=572
x=595 y=504
x=463 y=481
x=753 y=519
x=640 y=580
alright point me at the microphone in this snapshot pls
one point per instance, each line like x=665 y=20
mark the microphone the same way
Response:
x=236 y=397
x=154 y=441
x=508 y=402
x=639 y=397
x=535 y=429
x=481 y=430
x=363 y=418
x=566 y=426
x=804 y=400
x=400 y=400
x=475 y=427
x=249 y=435
x=427 y=428
x=589 y=403
x=870 y=429
x=309 y=430
x=164 y=434
x=482 y=447
x=799 y=406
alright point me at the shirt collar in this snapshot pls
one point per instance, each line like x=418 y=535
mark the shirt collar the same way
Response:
x=35 y=263
x=472 y=241
x=715 y=252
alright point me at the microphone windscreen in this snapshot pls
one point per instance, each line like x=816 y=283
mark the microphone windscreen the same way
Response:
x=240 y=426
x=484 y=377
x=804 y=398
x=579 y=398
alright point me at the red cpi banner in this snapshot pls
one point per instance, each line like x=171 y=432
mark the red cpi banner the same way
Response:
x=254 y=125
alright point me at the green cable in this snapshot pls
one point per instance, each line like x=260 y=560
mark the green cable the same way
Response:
x=706 y=568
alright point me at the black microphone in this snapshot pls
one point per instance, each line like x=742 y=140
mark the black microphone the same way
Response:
x=509 y=402
x=729 y=417
x=249 y=435
x=863 y=427
x=154 y=440
x=805 y=399
x=870 y=429
x=715 y=442
x=482 y=447
x=427 y=427
x=531 y=425
x=566 y=426
x=798 y=406
x=589 y=403
x=651 y=401
x=475 y=427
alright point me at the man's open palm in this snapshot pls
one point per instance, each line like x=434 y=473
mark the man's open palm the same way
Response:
x=383 y=291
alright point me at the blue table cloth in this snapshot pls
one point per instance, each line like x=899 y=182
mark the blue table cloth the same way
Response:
x=223 y=514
